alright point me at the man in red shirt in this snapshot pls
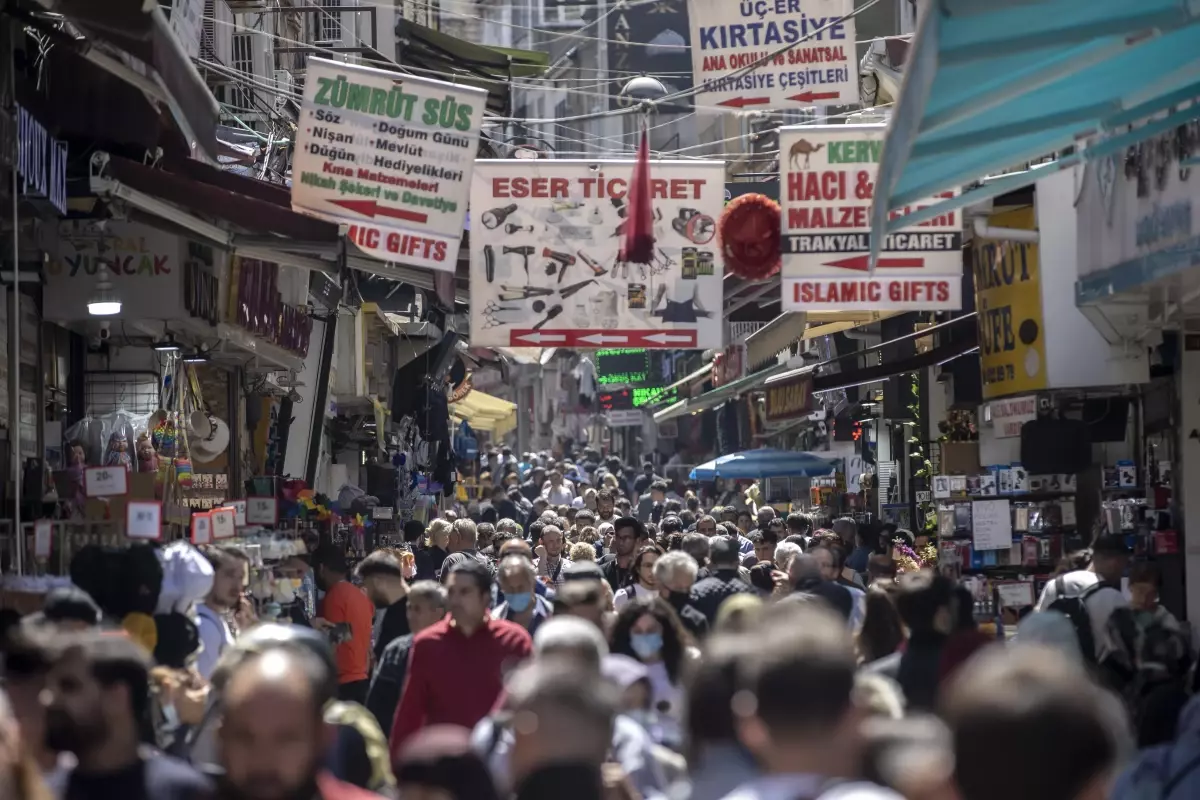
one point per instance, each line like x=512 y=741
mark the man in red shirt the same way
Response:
x=346 y=617
x=457 y=667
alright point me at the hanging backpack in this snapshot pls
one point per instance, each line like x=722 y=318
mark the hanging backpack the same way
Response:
x=1074 y=607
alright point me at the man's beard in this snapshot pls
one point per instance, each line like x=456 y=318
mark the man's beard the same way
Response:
x=306 y=791
x=65 y=735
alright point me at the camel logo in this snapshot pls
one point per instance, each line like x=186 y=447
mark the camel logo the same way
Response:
x=802 y=148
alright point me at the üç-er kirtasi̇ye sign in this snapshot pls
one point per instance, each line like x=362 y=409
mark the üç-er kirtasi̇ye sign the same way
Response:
x=764 y=54
x=789 y=399
x=828 y=176
x=545 y=272
x=391 y=156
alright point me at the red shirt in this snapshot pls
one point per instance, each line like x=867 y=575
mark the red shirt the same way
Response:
x=345 y=602
x=455 y=679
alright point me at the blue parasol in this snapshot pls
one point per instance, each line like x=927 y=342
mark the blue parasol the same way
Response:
x=766 y=462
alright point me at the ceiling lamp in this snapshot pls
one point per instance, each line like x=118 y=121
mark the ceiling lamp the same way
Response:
x=167 y=345
x=198 y=357
x=104 y=301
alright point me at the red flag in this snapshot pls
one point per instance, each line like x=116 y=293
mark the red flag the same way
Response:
x=638 y=246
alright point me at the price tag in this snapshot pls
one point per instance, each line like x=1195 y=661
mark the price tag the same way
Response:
x=202 y=528
x=239 y=512
x=43 y=538
x=105 y=481
x=222 y=523
x=143 y=520
x=381 y=512
x=261 y=510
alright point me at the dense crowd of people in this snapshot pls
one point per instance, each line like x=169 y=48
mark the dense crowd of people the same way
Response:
x=587 y=632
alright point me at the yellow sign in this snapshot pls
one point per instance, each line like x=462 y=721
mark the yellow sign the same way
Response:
x=1008 y=299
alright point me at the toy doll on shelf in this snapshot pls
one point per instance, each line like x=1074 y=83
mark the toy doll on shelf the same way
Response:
x=118 y=452
x=147 y=456
x=76 y=464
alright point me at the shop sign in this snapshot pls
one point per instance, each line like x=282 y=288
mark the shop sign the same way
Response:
x=648 y=37
x=391 y=156
x=41 y=162
x=200 y=289
x=736 y=53
x=622 y=367
x=828 y=172
x=544 y=256
x=1009 y=415
x=1008 y=302
x=258 y=307
x=624 y=419
x=789 y=399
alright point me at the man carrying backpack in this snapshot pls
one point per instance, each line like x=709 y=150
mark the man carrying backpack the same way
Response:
x=1090 y=593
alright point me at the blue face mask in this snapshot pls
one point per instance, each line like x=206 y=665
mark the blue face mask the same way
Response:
x=646 y=645
x=519 y=603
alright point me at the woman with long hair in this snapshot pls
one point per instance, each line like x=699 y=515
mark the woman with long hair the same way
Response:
x=641 y=578
x=648 y=630
x=882 y=631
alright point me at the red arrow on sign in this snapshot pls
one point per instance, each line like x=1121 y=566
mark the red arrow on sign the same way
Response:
x=808 y=97
x=862 y=263
x=742 y=102
x=369 y=208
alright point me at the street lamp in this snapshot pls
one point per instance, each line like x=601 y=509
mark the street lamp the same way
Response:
x=104 y=301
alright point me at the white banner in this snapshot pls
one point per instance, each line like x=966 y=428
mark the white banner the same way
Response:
x=828 y=176
x=729 y=37
x=390 y=155
x=544 y=242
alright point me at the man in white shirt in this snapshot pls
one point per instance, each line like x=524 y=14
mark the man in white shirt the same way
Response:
x=804 y=729
x=1109 y=558
x=559 y=492
x=230 y=576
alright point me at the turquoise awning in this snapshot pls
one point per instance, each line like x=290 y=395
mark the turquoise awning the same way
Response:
x=990 y=86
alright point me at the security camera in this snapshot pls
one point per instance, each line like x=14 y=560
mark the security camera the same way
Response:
x=105 y=331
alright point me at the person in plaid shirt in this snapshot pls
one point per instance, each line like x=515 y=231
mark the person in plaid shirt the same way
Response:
x=552 y=565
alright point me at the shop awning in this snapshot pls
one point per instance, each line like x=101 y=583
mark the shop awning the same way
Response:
x=794 y=326
x=484 y=412
x=141 y=30
x=715 y=397
x=459 y=61
x=991 y=86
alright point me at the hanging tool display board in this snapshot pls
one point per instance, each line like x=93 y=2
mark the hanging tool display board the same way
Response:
x=544 y=267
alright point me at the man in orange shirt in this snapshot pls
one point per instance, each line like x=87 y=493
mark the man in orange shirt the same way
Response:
x=346 y=617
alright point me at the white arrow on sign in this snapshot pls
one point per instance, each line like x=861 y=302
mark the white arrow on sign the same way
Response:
x=600 y=338
x=538 y=337
x=667 y=338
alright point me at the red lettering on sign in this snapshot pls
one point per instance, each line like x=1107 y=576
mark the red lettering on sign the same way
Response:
x=519 y=187
x=828 y=217
x=828 y=185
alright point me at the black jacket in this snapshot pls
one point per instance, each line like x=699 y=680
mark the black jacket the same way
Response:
x=388 y=682
x=916 y=669
x=708 y=594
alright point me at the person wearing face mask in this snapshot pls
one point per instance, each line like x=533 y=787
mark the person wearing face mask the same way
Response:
x=675 y=573
x=522 y=604
x=649 y=631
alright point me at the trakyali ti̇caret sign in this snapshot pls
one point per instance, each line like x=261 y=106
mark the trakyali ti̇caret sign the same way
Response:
x=741 y=54
x=827 y=174
x=389 y=154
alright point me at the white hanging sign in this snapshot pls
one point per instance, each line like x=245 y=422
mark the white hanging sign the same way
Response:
x=143 y=520
x=730 y=39
x=43 y=538
x=239 y=512
x=201 y=528
x=105 y=481
x=390 y=155
x=827 y=174
x=222 y=523
x=1011 y=414
x=991 y=525
x=545 y=238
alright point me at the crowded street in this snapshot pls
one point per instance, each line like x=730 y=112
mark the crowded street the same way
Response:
x=599 y=400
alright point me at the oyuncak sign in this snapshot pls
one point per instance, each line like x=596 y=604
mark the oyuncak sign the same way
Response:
x=545 y=271
x=391 y=156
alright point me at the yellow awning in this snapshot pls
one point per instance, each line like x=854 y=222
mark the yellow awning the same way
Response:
x=484 y=412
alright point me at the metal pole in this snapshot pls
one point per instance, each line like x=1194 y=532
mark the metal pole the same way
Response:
x=14 y=358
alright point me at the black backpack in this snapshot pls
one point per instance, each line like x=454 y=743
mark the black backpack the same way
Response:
x=1075 y=609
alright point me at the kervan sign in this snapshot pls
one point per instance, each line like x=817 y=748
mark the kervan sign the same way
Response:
x=390 y=155
x=828 y=175
x=789 y=399
x=736 y=54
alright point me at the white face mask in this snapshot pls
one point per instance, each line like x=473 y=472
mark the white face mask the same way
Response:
x=285 y=590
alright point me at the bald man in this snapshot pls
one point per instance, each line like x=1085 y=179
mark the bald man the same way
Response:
x=273 y=737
